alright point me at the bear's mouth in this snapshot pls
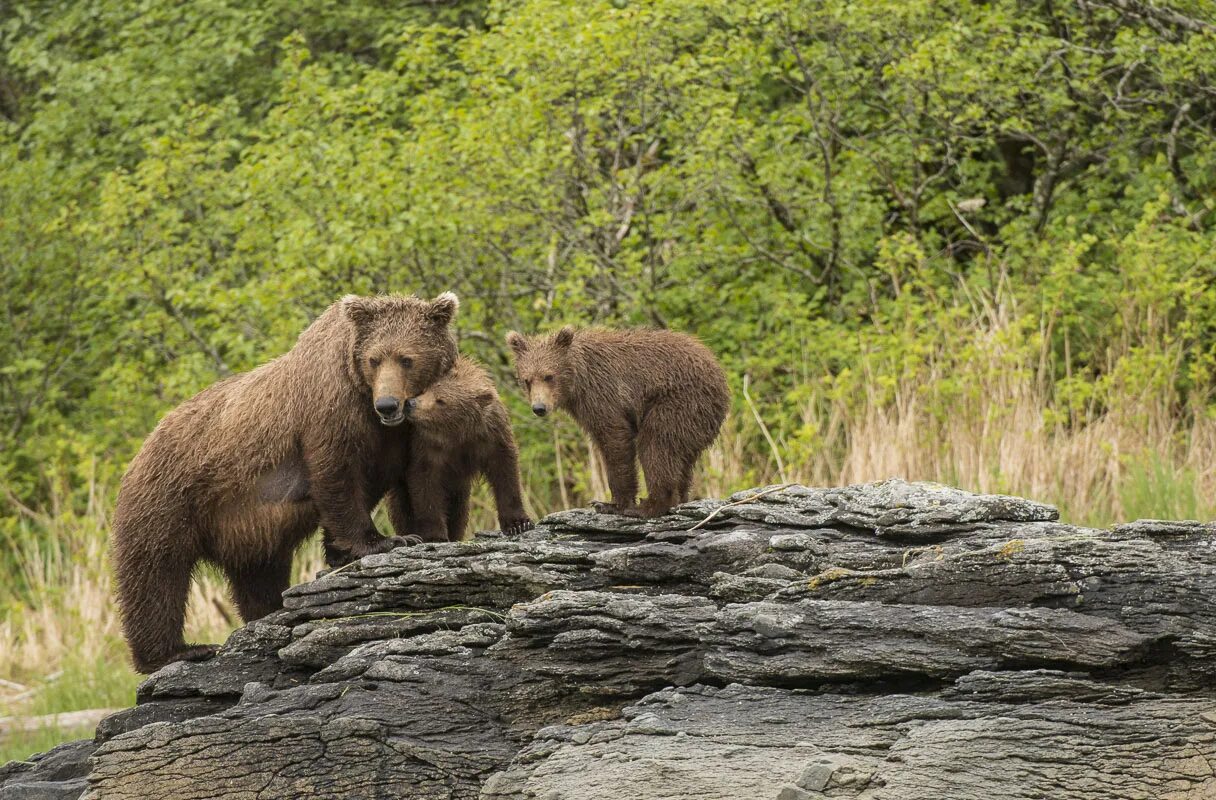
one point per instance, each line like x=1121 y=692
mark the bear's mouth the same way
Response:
x=394 y=420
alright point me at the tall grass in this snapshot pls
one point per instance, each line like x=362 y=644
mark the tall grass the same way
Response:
x=1112 y=467
x=1003 y=431
x=985 y=413
x=61 y=645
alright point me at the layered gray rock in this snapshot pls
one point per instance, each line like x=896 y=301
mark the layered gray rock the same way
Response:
x=887 y=640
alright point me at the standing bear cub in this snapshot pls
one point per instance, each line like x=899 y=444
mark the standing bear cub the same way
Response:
x=241 y=474
x=651 y=395
x=461 y=430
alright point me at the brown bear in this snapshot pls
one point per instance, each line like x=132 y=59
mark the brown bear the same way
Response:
x=652 y=395
x=247 y=469
x=461 y=430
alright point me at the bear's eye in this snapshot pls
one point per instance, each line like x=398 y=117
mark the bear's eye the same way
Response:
x=438 y=401
x=548 y=379
x=528 y=383
x=375 y=362
x=406 y=361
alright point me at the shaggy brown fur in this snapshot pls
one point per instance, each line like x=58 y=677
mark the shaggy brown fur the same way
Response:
x=652 y=395
x=243 y=472
x=461 y=430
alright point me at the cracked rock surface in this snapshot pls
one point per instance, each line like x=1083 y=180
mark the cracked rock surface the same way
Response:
x=882 y=641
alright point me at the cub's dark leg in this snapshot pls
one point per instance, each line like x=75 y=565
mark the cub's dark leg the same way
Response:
x=686 y=480
x=616 y=444
x=428 y=502
x=458 y=508
x=502 y=473
x=666 y=460
x=397 y=503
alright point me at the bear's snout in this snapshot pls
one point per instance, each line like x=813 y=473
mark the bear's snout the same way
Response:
x=540 y=409
x=389 y=410
x=387 y=406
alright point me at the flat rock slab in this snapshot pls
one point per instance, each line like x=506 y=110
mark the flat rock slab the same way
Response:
x=889 y=640
x=746 y=741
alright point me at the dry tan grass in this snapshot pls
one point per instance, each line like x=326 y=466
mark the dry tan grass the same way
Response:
x=990 y=425
x=63 y=620
x=77 y=614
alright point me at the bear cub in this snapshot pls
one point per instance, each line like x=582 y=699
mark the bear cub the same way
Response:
x=654 y=396
x=246 y=470
x=461 y=430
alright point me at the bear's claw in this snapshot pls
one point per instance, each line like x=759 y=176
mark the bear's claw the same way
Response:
x=516 y=527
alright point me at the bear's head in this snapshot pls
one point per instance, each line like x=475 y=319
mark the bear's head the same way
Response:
x=401 y=346
x=542 y=364
x=454 y=404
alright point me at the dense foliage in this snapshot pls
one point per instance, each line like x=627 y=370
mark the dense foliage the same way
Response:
x=832 y=194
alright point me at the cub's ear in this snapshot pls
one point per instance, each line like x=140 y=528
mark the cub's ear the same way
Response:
x=517 y=342
x=564 y=337
x=443 y=308
x=359 y=310
x=485 y=398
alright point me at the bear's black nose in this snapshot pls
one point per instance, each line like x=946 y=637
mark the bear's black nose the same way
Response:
x=387 y=406
x=410 y=405
x=539 y=409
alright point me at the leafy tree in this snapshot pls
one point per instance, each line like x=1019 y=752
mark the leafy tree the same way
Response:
x=831 y=194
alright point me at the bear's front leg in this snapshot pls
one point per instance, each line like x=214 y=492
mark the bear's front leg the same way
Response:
x=346 y=519
x=616 y=444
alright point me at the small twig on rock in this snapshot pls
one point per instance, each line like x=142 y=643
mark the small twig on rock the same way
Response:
x=744 y=501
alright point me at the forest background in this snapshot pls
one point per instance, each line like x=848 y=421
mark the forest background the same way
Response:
x=956 y=241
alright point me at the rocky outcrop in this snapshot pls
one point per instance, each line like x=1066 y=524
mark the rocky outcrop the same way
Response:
x=888 y=640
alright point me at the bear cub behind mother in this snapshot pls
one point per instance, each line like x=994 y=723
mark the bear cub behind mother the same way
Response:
x=241 y=474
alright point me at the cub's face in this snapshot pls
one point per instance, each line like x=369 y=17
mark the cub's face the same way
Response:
x=402 y=345
x=541 y=364
x=450 y=405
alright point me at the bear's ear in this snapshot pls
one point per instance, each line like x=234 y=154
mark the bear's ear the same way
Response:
x=517 y=342
x=564 y=337
x=485 y=398
x=359 y=310
x=443 y=308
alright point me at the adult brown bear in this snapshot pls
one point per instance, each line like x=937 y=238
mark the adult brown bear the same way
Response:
x=241 y=474
x=461 y=430
x=654 y=396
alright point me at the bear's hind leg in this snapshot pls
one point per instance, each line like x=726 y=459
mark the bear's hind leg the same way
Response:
x=153 y=585
x=666 y=462
x=257 y=589
x=685 y=485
